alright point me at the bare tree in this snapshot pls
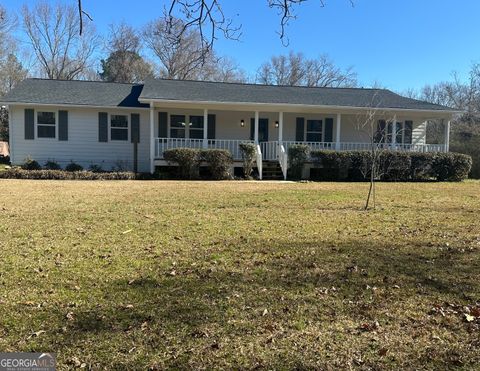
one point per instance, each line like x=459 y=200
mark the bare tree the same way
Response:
x=11 y=73
x=181 y=56
x=124 y=64
x=53 y=34
x=296 y=70
x=208 y=18
x=8 y=22
x=178 y=52
x=377 y=126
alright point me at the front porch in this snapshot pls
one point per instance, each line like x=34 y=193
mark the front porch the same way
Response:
x=274 y=132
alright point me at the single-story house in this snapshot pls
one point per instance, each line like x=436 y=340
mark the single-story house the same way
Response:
x=129 y=126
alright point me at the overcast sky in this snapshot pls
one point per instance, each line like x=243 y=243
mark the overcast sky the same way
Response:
x=399 y=43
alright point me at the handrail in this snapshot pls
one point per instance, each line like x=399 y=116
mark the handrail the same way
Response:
x=283 y=160
x=259 y=162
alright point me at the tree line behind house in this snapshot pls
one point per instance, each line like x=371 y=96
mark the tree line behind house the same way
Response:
x=44 y=41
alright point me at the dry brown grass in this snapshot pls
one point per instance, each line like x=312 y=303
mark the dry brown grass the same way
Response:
x=133 y=275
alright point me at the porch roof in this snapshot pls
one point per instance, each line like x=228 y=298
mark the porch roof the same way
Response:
x=240 y=93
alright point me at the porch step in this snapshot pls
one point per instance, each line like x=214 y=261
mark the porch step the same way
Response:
x=272 y=170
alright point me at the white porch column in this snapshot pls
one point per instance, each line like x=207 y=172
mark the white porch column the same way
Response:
x=255 y=131
x=337 y=136
x=280 y=127
x=447 y=136
x=394 y=130
x=152 y=138
x=205 y=128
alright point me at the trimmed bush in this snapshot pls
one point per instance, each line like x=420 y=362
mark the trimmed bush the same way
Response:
x=218 y=162
x=51 y=165
x=187 y=159
x=297 y=156
x=95 y=168
x=18 y=173
x=248 y=151
x=335 y=164
x=72 y=166
x=451 y=166
x=421 y=166
x=392 y=166
x=31 y=164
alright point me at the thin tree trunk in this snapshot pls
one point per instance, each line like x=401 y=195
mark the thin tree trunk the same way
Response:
x=371 y=188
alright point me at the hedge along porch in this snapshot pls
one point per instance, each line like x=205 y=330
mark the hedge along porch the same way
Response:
x=275 y=132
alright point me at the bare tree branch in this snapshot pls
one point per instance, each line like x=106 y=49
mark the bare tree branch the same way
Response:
x=208 y=18
x=53 y=34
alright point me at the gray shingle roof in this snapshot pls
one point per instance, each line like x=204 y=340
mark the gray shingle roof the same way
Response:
x=88 y=93
x=103 y=94
x=268 y=94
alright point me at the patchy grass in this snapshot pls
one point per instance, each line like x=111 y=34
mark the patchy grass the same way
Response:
x=131 y=275
x=2 y=167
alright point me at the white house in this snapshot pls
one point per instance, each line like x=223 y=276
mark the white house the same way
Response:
x=100 y=123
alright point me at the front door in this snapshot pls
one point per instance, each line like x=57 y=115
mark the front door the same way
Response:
x=262 y=130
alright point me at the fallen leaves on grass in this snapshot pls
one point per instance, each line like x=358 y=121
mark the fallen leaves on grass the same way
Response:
x=36 y=334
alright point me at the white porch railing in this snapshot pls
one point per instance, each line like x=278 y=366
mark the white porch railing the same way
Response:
x=270 y=151
x=283 y=159
x=233 y=146
x=259 y=162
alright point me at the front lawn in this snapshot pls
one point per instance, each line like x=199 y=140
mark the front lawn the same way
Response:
x=132 y=275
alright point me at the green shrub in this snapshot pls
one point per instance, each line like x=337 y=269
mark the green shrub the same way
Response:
x=95 y=168
x=72 y=166
x=335 y=165
x=31 y=164
x=248 y=151
x=392 y=166
x=52 y=165
x=18 y=173
x=421 y=166
x=218 y=162
x=187 y=159
x=297 y=156
x=451 y=166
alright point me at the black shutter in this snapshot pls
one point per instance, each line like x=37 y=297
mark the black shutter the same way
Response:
x=103 y=127
x=212 y=120
x=408 y=132
x=300 y=132
x=380 y=133
x=162 y=125
x=329 y=130
x=62 y=125
x=252 y=129
x=135 y=119
x=29 y=123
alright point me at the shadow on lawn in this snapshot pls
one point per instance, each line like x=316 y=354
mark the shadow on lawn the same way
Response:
x=279 y=274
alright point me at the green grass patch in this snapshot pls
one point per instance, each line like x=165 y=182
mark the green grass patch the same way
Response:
x=233 y=275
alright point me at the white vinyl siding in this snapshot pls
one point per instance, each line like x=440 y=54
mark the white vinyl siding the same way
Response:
x=82 y=146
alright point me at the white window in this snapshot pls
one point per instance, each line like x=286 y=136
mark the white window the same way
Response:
x=314 y=131
x=119 y=127
x=46 y=124
x=177 y=126
x=195 y=129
